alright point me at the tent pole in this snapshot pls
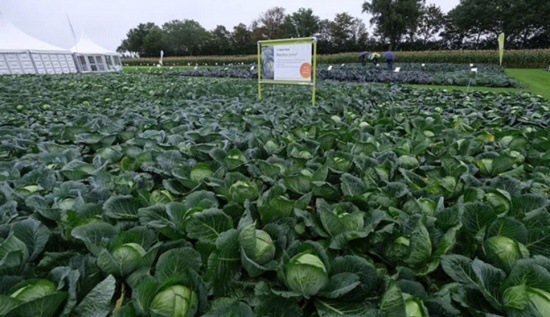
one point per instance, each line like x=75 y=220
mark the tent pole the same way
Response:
x=72 y=31
x=33 y=63
x=7 y=64
x=20 y=65
x=43 y=64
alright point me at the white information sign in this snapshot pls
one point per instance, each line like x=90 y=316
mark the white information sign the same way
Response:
x=287 y=62
x=292 y=62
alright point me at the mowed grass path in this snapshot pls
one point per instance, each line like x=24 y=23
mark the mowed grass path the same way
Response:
x=465 y=88
x=536 y=81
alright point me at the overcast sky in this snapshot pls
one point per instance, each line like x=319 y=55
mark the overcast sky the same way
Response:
x=108 y=21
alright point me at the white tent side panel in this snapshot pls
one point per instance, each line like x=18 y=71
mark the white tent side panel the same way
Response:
x=39 y=64
x=36 y=63
x=26 y=64
x=4 y=70
x=13 y=64
x=47 y=63
x=71 y=63
x=91 y=57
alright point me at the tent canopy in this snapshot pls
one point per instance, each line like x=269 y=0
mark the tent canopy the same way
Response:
x=13 y=39
x=85 y=45
x=21 y=54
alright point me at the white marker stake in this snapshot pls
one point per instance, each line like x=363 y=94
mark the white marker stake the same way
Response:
x=196 y=67
x=330 y=67
x=471 y=65
x=343 y=65
x=474 y=70
x=252 y=68
x=397 y=69
x=423 y=65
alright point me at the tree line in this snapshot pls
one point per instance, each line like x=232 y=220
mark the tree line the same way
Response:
x=398 y=25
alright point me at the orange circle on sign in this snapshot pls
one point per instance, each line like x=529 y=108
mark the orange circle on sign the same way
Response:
x=305 y=70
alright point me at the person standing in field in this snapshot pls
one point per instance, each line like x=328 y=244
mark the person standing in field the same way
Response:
x=374 y=57
x=363 y=56
x=389 y=57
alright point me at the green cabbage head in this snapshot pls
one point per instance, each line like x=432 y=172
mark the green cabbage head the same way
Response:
x=176 y=301
x=520 y=296
x=414 y=306
x=129 y=252
x=122 y=260
x=306 y=274
x=264 y=248
x=37 y=289
x=503 y=252
x=413 y=309
x=408 y=162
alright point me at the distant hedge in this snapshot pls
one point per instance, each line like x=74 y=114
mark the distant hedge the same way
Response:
x=512 y=58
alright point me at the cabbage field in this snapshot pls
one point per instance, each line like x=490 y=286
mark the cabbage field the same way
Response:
x=437 y=74
x=156 y=194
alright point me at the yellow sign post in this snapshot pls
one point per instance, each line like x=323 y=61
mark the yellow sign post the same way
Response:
x=288 y=62
x=500 y=47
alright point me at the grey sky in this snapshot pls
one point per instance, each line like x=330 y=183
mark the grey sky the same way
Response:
x=108 y=21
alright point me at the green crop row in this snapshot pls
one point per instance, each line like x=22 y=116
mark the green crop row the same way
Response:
x=512 y=58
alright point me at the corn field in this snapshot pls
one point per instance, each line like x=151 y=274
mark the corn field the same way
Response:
x=512 y=58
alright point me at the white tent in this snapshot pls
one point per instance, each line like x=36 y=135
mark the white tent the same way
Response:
x=90 y=57
x=21 y=53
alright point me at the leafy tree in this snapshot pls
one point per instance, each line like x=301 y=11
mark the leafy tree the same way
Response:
x=347 y=33
x=185 y=37
x=473 y=19
x=241 y=40
x=520 y=20
x=301 y=23
x=430 y=24
x=219 y=43
x=453 y=36
x=123 y=47
x=359 y=35
x=532 y=27
x=270 y=24
x=153 y=42
x=325 y=46
x=135 y=38
x=394 y=18
x=324 y=30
